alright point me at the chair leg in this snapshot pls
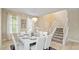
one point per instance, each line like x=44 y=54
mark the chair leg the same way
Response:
x=50 y=48
x=12 y=47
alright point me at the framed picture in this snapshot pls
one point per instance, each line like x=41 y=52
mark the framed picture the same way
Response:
x=23 y=23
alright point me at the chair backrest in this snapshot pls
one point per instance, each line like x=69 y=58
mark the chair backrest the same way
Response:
x=47 y=41
x=14 y=41
x=18 y=44
x=40 y=43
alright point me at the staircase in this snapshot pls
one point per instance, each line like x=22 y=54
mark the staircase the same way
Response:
x=57 y=38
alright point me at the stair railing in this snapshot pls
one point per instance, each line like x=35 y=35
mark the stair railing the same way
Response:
x=65 y=31
x=53 y=27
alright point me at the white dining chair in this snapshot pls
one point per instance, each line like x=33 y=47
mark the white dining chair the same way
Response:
x=22 y=33
x=48 y=39
x=9 y=36
x=17 y=44
x=39 y=44
x=41 y=33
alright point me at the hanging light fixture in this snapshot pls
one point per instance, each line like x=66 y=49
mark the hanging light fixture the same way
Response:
x=34 y=19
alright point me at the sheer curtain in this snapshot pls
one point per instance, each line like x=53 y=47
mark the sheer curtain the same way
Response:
x=13 y=26
x=9 y=24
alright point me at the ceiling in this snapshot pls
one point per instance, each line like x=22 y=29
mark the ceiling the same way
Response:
x=35 y=11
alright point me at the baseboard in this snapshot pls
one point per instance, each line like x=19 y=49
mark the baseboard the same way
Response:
x=77 y=41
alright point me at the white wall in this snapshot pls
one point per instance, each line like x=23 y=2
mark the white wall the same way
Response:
x=73 y=15
x=4 y=24
x=61 y=18
x=45 y=22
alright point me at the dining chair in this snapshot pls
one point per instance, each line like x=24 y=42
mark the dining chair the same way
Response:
x=39 y=44
x=9 y=36
x=22 y=33
x=48 y=39
x=17 y=44
x=41 y=33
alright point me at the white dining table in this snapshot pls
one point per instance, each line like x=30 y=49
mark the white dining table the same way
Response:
x=27 y=41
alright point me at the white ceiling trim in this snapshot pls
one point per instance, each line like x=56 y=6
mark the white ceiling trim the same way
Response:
x=35 y=11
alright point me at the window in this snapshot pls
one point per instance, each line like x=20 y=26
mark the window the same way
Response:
x=13 y=24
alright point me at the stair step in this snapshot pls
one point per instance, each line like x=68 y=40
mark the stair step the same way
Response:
x=61 y=35
x=59 y=38
x=57 y=41
x=59 y=32
x=59 y=28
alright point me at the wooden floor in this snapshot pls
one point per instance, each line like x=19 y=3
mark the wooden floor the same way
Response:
x=69 y=45
x=6 y=45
